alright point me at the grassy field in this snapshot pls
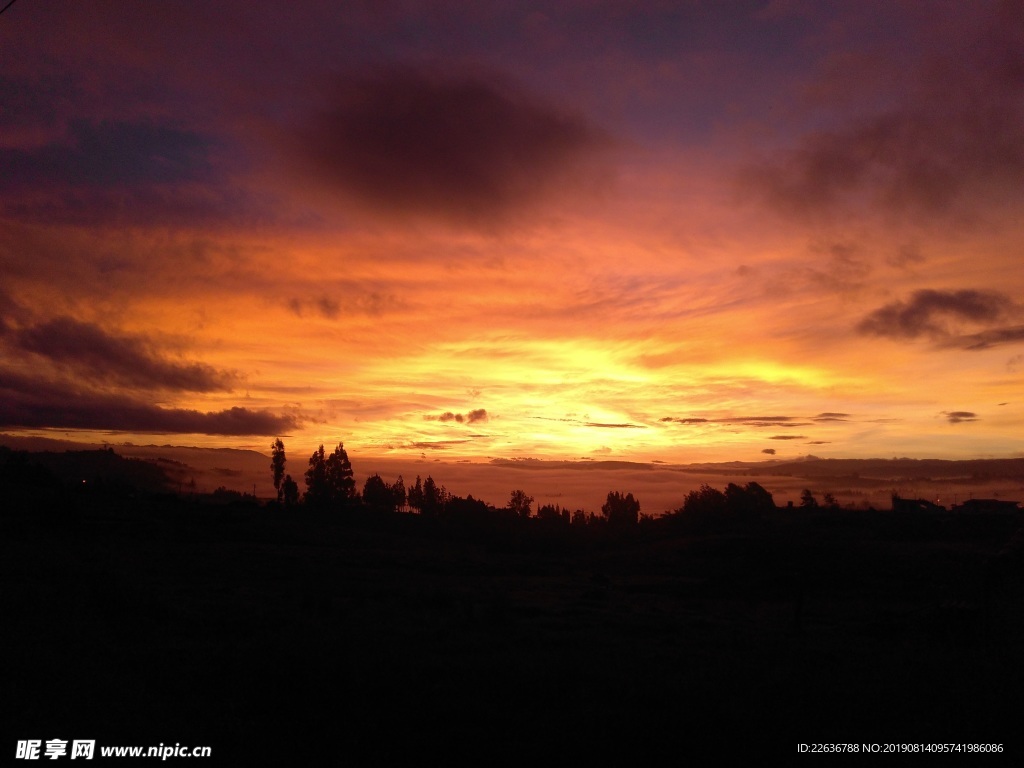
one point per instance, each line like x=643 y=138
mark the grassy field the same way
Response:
x=389 y=640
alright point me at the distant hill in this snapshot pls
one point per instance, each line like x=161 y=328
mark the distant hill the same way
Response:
x=98 y=467
x=903 y=469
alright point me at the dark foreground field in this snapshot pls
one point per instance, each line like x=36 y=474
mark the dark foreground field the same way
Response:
x=396 y=640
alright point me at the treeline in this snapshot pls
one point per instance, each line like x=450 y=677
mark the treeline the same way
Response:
x=330 y=485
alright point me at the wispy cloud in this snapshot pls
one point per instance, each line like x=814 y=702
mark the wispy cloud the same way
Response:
x=746 y=421
x=954 y=141
x=104 y=154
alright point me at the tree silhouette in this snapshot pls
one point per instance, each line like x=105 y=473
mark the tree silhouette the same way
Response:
x=621 y=510
x=329 y=480
x=552 y=513
x=398 y=493
x=277 y=460
x=706 y=502
x=520 y=503
x=340 y=480
x=433 y=498
x=465 y=510
x=289 y=492
x=416 y=495
x=316 y=479
x=807 y=499
x=749 y=501
x=377 y=495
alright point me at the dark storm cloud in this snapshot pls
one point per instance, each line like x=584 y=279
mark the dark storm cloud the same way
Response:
x=468 y=147
x=956 y=136
x=97 y=355
x=938 y=315
x=30 y=402
x=957 y=417
x=109 y=153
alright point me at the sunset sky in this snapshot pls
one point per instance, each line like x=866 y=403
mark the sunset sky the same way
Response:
x=653 y=231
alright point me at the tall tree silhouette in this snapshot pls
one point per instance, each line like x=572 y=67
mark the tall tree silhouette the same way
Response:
x=317 y=492
x=416 y=495
x=340 y=478
x=277 y=460
x=398 y=493
x=433 y=498
x=329 y=479
x=520 y=503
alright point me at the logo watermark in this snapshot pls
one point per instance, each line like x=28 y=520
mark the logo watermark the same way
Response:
x=53 y=749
